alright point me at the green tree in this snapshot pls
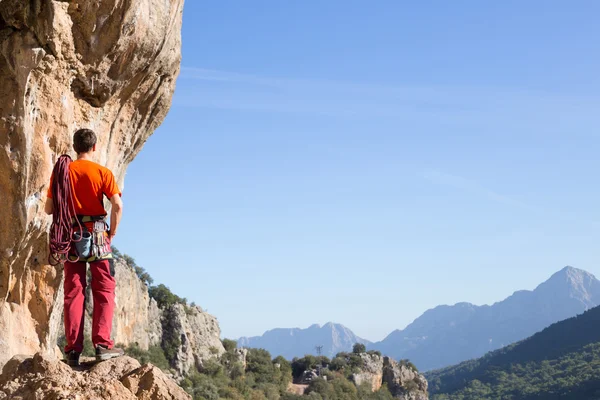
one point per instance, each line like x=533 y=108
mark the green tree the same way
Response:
x=359 y=348
x=163 y=296
x=230 y=345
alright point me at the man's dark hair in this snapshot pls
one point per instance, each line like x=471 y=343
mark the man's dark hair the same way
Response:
x=84 y=140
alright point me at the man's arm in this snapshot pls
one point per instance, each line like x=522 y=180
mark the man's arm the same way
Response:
x=49 y=206
x=115 y=214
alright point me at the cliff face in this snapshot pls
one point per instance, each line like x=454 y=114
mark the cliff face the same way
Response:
x=108 y=65
x=199 y=334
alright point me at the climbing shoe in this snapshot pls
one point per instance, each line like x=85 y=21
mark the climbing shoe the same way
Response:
x=72 y=358
x=104 y=353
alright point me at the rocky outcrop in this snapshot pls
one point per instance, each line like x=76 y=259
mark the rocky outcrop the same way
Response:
x=122 y=378
x=242 y=357
x=401 y=378
x=198 y=333
x=403 y=381
x=371 y=371
x=108 y=65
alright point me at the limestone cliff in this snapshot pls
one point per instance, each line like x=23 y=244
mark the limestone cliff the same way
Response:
x=198 y=333
x=109 y=65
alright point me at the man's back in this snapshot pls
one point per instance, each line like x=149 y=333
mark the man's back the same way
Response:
x=90 y=182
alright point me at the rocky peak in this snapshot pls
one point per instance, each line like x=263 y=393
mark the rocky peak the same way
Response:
x=574 y=283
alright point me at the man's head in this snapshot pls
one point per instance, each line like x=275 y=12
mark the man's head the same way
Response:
x=84 y=141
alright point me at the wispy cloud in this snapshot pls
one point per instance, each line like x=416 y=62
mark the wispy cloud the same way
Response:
x=479 y=190
x=473 y=187
x=486 y=106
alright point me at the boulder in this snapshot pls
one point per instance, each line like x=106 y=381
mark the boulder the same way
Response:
x=108 y=65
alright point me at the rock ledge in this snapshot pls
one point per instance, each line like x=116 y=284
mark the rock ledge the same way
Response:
x=39 y=377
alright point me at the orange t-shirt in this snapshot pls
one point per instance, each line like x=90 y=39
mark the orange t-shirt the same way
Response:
x=90 y=182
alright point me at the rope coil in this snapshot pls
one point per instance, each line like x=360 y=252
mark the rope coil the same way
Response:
x=63 y=213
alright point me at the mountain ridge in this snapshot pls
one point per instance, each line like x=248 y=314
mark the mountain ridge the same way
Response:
x=334 y=338
x=448 y=334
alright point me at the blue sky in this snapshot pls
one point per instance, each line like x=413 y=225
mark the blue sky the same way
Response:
x=362 y=162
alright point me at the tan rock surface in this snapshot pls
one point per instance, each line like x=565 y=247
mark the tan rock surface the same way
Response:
x=370 y=372
x=42 y=378
x=404 y=382
x=200 y=336
x=109 y=65
x=150 y=383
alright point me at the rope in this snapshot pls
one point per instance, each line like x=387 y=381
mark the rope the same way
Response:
x=64 y=212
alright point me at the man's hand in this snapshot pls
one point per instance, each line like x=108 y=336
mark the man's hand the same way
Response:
x=49 y=206
x=115 y=215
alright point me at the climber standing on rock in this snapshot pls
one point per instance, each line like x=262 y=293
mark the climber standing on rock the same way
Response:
x=80 y=235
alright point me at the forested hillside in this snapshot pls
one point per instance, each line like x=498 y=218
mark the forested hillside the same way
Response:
x=562 y=361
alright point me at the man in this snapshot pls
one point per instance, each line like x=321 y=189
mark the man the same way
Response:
x=90 y=182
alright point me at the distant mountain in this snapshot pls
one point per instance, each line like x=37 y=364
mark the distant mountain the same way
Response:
x=296 y=342
x=447 y=335
x=561 y=362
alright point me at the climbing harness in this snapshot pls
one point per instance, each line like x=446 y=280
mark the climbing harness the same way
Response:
x=95 y=228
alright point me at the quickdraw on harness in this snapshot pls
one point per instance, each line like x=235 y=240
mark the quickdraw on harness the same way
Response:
x=70 y=237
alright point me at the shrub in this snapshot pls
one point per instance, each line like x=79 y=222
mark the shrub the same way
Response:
x=230 y=345
x=322 y=387
x=154 y=355
x=171 y=341
x=410 y=386
x=359 y=348
x=163 y=296
x=409 y=365
x=212 y=367
x=116 y=253
x=339 y=363
x=129 y=260
x=260 y=365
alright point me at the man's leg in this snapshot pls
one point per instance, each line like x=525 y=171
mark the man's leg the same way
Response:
x=103 y=291
x=75 y=283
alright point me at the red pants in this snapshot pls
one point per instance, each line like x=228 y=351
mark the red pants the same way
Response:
x=103 y=292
